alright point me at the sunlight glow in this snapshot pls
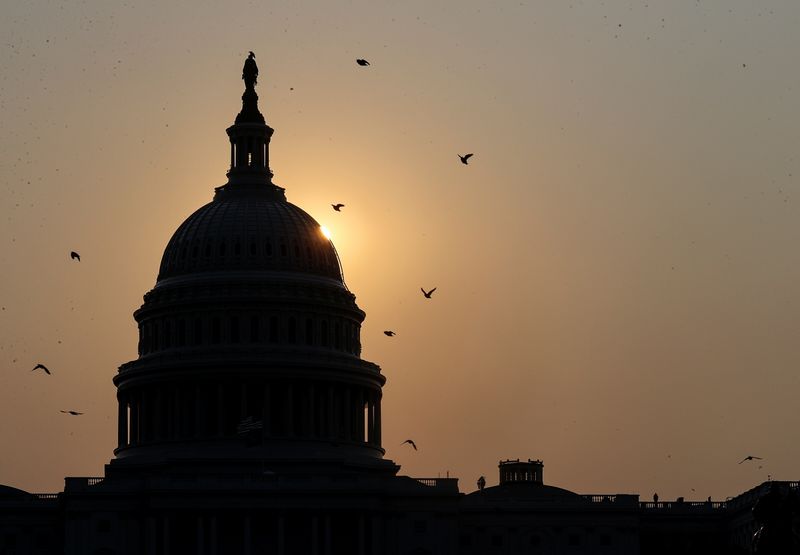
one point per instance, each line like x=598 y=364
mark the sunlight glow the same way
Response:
x=325 y=231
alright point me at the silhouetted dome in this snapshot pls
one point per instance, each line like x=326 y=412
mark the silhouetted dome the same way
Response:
x=524 y=492
x=249 y=230
x=8 y=492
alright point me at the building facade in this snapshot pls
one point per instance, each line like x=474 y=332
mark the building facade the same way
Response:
x=250 y=424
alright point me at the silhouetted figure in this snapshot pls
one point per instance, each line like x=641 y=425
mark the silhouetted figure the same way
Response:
x=72 y=412
x=250 y=71
x=481 y=483
x=390 y=333
x=362 y=62
x=655 y=498
x=427 y=293
x=750 y=458
x=465 y=158
x=410 y=442
x=338 y=207
x=75 y=256
x=774 y=513
x=41 y=367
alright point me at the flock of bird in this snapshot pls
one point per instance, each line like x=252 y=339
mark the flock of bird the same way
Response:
x=389 y=333
x=39 y=366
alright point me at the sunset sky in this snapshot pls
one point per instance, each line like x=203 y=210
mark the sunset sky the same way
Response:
x=617 y=271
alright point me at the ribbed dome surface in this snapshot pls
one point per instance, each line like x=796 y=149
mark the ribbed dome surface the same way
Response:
x=249 y=232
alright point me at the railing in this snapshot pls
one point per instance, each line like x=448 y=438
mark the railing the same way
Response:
x=444 y=483
x=673 y=505
x=629 y=500
x=45 y=495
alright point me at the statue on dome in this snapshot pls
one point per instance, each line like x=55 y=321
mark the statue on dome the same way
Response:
x=250 y=71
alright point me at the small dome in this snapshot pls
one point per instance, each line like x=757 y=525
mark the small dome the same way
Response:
x=250 y=229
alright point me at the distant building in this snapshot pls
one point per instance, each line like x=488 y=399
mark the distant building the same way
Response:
x=249 y=424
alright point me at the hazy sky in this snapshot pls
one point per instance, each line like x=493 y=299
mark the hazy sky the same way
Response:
x=617 y=271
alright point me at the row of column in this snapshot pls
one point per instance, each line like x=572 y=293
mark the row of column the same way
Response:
x=291 y=409
x=355 y=534
x=249 y=152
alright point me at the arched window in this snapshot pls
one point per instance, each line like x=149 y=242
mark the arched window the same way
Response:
x=292 y=330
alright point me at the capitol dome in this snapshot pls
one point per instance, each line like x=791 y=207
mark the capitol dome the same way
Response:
x=250 y=229
x=250 y=342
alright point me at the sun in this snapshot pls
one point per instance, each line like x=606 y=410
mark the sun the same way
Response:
x=325 y=231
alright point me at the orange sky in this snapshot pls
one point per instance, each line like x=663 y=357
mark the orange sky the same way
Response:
x=617 y=278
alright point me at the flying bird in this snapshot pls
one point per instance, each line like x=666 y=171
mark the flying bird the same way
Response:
x=338 y=207
x=41 y=367
x=390 y=333
x=72 y=412
x=750 y=458
x=75 y=256
x=465 y=158
x=410 y=442
x=427 y=293
x=362 y=62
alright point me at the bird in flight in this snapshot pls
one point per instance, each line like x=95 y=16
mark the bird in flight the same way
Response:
x=362 y=62
x=427 y=293
x=390 y=333
x=338 y=207
x=75 y=256
x=465 y=158
x=72 y=412
x=410 y=442
x=750 y=458
x=41 y=367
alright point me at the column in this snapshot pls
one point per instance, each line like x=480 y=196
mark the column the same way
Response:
x=220 y=410
x=134 y=400
x=198 y=412
x=314 y=535
x=243 y=407
x=248 y=540
x=281 y=536
x=362 y=535
x=213 y=539
x=158 y=414
x=289 y=410
x=370 y=418
x=332 y=423
x=265 y=415
x=311 y=416
x=150 y=541
x=122 y=422
x=165 y=542
x=348 y=409
x=326 y=525
x=201 y=537
x=378 y=419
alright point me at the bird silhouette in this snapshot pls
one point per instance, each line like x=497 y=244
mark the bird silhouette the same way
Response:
x=362 y=62
x=750 y=458
x=390 y=333
x=410 y=442
x=427 y=293
x=72 y=412
x=465 y=158
x=41 y=367
x=75 y=256
x=338 y=207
